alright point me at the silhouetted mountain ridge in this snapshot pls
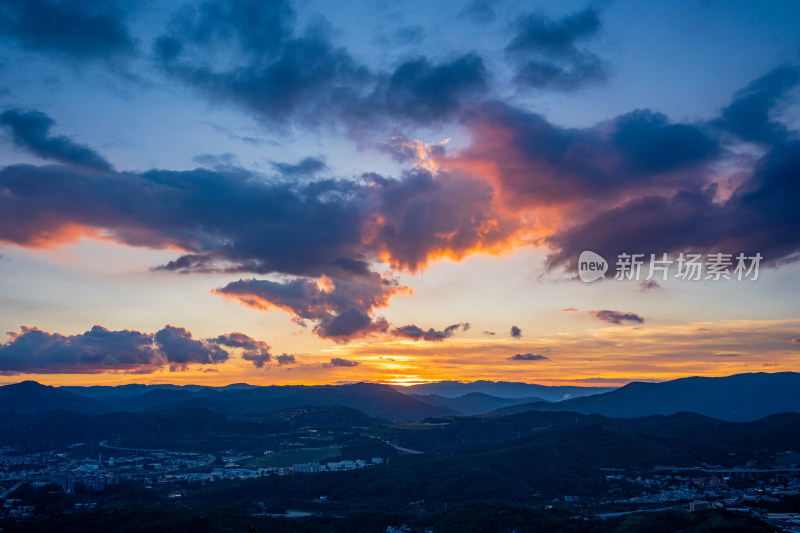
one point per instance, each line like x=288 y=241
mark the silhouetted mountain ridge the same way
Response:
x=473 y=403
x=502 y=389
x=33 y=397
x=374 y=400
x=740 y=397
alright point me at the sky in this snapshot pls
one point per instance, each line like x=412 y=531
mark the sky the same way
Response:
x=318 y=192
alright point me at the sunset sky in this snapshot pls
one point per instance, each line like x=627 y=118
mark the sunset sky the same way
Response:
x=320 y=192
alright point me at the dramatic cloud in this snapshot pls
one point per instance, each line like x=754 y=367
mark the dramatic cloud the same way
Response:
x=32 y=350
x=236 y=221
x=545 y=54
x=527 y=357
x=340 y=308
x=79 y=30
x=289 y=75
x=796 y=341
x=416 y=333
x=254 y=350
x=425 y=216
x=181 y=350
x=637 y=183
x=616 y=317
x=515 y=332
x=689 y=213
x=231 y=220
x=537 y=165
x=30 y=130
x=759 y=217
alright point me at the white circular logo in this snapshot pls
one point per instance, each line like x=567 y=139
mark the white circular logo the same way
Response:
x=591 y=266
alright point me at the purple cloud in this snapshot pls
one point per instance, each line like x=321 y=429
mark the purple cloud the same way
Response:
x=616 y=317
x=414 y=332
x=338 y=361
x=31 y=350
x=527 y=357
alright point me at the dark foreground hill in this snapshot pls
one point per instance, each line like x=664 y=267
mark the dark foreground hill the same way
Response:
x=374 y=400
x=479 y=473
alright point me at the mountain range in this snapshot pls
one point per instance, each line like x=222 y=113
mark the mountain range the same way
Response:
x=741 y=397
x=502 y=389
x=738 y=398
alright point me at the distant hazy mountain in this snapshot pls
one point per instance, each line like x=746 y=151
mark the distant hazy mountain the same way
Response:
x=98 y=392
x=740 y=397
x=502 y=389
x=473 y=403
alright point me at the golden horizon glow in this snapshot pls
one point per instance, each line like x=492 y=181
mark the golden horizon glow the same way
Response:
x=606 y=356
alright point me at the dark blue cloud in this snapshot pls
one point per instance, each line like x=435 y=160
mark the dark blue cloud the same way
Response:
x=515 y=332
x=30 y=130
x=254 y=28
x=689 y=219
x=306 y=168
x=750 y=115
x=650 y=144
x=32 y=350
x=423 y=92
x=93 y=30
x=761 y=216
x=545 y=54
x=289 y=76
